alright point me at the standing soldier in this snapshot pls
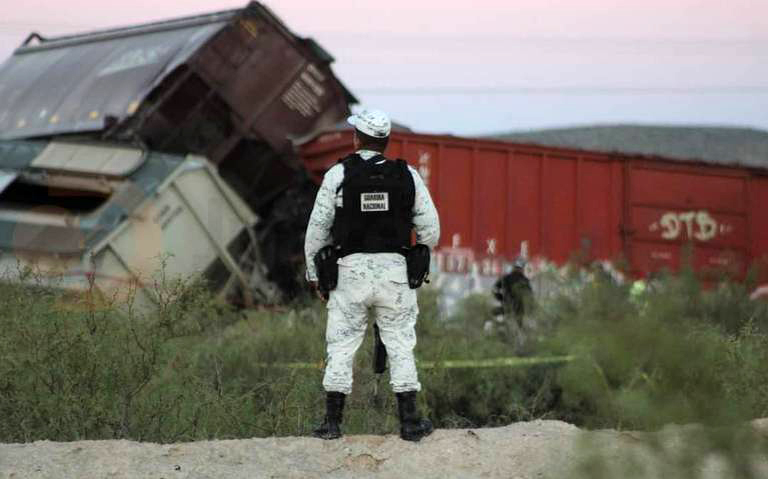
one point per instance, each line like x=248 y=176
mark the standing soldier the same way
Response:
x=366 y=210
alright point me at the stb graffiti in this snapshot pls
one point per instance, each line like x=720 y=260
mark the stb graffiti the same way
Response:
x=698 y=225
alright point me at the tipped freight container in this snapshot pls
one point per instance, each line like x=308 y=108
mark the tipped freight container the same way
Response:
x=84 y=215
x=236 y=87
x=497 y=199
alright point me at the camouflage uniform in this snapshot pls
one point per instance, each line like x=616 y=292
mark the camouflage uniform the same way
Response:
x=376 y=280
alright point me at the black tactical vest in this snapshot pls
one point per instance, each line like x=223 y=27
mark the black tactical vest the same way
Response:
x=377 y=211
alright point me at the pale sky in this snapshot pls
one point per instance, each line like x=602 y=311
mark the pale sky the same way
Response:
x=489 y=66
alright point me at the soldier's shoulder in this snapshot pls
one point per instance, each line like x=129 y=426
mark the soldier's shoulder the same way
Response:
x=335 y=173
x=414 y=171
x=348 y=158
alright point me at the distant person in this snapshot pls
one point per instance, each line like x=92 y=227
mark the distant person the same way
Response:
x=514 y=292
x=366 y=210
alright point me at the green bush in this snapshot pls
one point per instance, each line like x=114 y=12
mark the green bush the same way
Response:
x=85 y=367
x=676 y=353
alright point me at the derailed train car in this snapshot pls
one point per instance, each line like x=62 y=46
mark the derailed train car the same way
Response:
x=237 y=87
x=84 y=216
x=499 y=199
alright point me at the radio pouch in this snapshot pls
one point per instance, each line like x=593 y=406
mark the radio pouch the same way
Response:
x=326 y=263
x=417 y=260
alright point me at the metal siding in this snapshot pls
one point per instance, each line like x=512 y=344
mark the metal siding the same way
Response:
x=74 y=87
x=555 y=197
x=759 y=218
x=649 y=257
x=210 y=203
x=424 y=157
x=169 y=226
x=114 y=278
x=90 y=159
x=674 y=208
x=455 y=185
x=685 y=188
x=559 y=208
x=523 y=203
x=268 y=53
x=709 y=259
x=617 y=210
x=671 y=225
x=394 y=148
x=595 y=208
x=490 y=192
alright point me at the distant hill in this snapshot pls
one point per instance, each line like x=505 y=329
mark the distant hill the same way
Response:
x=728 y=146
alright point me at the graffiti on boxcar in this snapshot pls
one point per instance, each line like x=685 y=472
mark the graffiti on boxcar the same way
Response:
x=465 y=260
x=699 y=225
x=491 y=249
x=458 y=273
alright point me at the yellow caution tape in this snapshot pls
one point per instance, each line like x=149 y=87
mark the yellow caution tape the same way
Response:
x=510 y=362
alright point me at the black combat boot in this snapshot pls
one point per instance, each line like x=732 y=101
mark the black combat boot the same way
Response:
x=334 y=407
x=412 y=426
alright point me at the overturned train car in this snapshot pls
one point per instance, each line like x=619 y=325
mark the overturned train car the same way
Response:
x=237 y=87
x=84 y=216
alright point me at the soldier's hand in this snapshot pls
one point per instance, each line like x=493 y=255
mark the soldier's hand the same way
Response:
x=319 y=293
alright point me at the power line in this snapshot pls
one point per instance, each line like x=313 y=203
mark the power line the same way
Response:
x=37 y=24
x=567 y=90
x=543 y=38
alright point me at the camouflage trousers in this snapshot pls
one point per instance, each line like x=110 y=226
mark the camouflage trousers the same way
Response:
x=378 y=281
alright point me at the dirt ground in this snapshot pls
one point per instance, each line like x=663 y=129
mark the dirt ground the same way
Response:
x=530 y=450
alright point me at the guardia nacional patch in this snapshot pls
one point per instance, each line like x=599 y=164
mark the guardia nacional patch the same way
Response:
x=370 y=202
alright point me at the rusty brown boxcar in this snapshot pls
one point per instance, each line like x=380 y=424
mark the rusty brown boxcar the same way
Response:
x=563 y=204
x=236 y=86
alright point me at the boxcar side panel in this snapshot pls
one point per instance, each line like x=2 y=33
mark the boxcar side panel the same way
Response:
x=490 y=205
x=687 y=189
x=492 y=197
x=395 y=148
x=524 y=203
x=595 y=209
x=424 y=156
x=617 y=226
x=558 y=209
x=454 y=196
x=672 y=207
x=758 y=201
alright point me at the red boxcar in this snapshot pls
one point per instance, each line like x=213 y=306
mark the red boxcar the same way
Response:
x=563 y=204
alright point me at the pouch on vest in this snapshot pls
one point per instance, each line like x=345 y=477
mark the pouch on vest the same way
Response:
x=417 y=260
x=326 y=263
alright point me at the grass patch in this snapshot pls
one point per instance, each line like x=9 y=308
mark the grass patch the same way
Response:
x=77 y=368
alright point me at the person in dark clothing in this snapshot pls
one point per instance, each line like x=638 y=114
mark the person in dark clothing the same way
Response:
x=513 y=291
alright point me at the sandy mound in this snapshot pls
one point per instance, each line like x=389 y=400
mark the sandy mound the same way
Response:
x=539 y=449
